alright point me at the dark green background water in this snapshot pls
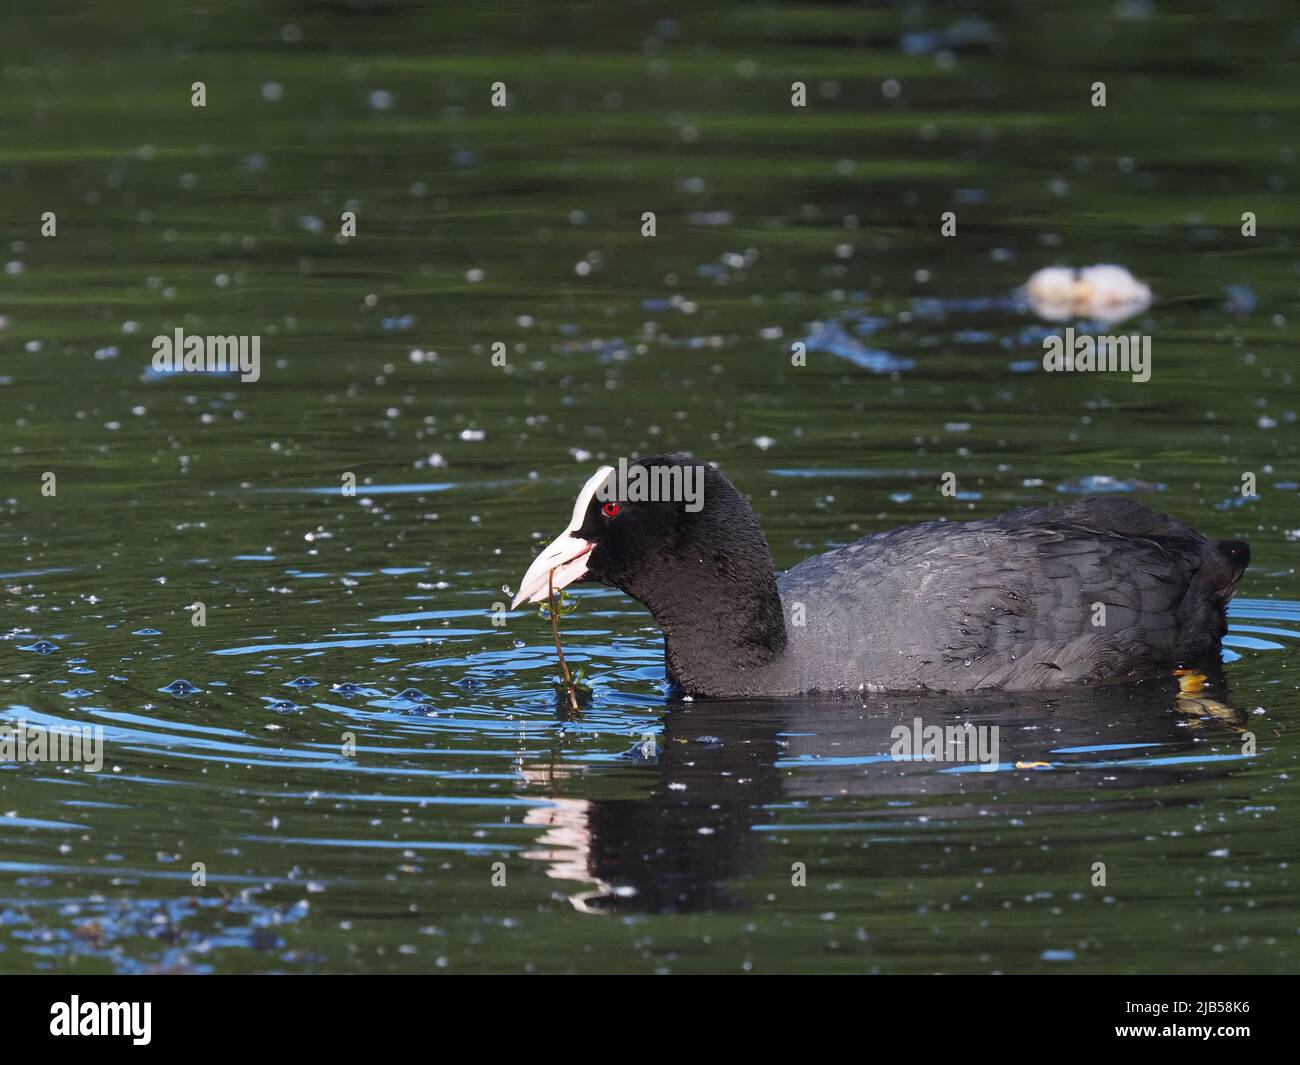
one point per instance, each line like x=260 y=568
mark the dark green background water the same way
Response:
x=472 y=223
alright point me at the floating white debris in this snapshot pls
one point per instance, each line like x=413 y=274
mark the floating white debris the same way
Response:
x=1101 y=293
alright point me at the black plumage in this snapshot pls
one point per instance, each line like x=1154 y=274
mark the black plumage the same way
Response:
x=1102 y=590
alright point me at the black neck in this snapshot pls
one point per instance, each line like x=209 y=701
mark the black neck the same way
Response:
x=710 y=650
x=715 y=597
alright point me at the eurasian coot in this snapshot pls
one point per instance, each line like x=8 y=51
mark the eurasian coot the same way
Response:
x=1101 y=590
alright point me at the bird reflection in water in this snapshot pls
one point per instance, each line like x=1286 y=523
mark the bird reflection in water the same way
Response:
x=720 y=772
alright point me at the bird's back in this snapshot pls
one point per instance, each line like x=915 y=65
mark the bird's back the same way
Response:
x=1097 y=591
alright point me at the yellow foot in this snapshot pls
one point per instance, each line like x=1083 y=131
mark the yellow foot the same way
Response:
x=1191 y=683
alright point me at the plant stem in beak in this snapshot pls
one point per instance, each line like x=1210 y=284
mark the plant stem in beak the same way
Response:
x=555 y=631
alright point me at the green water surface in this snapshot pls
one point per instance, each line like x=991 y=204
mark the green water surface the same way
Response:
x=441 y=815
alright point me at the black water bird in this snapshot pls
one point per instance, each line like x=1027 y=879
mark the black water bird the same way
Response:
x=1101 y=590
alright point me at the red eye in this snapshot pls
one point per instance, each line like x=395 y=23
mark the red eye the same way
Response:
x=610 y=510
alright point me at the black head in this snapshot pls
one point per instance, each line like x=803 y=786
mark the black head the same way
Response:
x=672 y=532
